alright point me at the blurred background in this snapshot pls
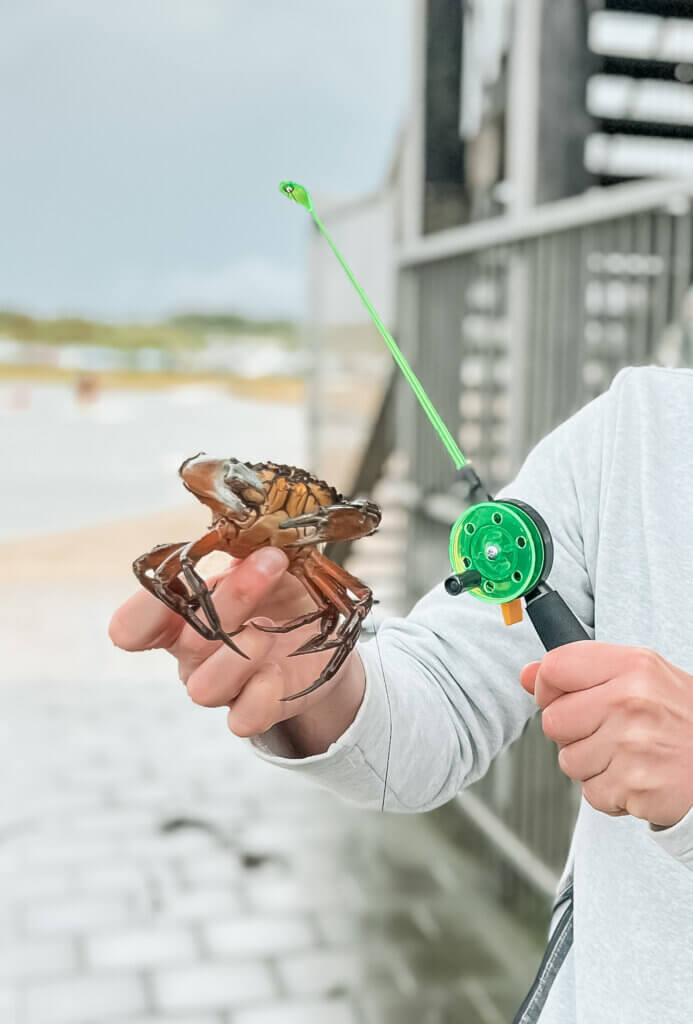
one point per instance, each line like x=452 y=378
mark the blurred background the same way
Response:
x=512 y=183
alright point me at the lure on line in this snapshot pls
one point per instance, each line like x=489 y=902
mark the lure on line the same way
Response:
x=500 y=551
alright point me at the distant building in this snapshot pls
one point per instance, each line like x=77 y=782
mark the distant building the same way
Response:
x=526 y=101
x=514 y=103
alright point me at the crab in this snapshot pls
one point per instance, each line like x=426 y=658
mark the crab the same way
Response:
x=254 y=506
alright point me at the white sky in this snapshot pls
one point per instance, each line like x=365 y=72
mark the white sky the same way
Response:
x=143 y=142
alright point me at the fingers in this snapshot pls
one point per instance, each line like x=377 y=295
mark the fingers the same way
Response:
x=143 y=622
x=605 y=794
x=543 y=693
x=586 y=758
x=218 y=679
x=528 y=676
x=236 y=597
x=583 y=664
x=574 y=716
x=258 y=706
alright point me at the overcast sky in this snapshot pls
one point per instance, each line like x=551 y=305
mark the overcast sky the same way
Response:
x=142 y=142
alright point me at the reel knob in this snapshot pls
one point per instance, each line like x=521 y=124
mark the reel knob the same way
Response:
x=459 y=582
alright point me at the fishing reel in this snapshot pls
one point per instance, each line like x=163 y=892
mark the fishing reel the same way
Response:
x=502 y=551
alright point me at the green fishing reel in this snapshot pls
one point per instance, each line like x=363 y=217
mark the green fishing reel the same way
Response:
x=499 y=552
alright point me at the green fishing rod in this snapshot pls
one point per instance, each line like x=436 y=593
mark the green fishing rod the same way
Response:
x=500 y=551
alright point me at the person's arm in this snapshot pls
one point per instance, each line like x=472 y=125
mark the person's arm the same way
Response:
x=452 y=668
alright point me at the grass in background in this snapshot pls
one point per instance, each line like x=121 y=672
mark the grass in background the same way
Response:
x=188 y=330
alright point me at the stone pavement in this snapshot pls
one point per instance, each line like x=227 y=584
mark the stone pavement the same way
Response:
x=153 y=870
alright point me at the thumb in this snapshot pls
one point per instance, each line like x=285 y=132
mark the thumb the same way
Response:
x=529 y=675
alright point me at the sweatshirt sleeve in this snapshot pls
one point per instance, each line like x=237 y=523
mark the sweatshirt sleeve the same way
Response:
x=443 y=690
x=677 y=839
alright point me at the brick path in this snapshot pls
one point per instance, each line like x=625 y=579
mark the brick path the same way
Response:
x=153 y=870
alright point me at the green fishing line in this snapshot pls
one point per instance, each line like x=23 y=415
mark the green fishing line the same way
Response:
x=301 y=196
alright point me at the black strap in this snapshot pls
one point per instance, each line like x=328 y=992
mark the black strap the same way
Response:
x=557 y=950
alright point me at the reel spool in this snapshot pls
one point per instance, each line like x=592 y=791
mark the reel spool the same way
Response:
x=499 y=552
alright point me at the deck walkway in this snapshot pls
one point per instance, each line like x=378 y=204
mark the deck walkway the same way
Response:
x=153 y=870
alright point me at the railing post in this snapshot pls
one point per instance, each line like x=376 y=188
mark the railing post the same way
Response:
x=406 y=415
x=519 y=343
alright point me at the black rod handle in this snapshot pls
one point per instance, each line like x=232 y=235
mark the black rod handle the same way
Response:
x=553 y=620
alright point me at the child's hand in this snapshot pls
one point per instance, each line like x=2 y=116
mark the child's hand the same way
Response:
x=214 y=675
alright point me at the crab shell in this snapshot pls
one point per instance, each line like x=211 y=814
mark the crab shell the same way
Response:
x=250 y=501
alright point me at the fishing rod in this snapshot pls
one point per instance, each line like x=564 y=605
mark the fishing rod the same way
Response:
x=500 y=551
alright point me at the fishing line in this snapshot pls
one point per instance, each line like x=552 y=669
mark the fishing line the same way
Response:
x=301 y=196
x=389 y=710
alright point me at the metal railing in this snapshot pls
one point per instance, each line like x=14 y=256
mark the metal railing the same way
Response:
x=380 y=444
x=512 y=325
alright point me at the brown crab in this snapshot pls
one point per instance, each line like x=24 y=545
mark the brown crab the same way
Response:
x=268 y=504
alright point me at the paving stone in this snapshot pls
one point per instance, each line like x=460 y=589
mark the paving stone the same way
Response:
x=214 y=866
x=197 y=1018
x=261 y=935
x=292 y=893
x=110 y=876
x=141 y=947
x=162 y=845
x=330 y=972
x=323 y=1012
x=205 y=902
x=128 y=820
x=213 y=986
x=19 y=883
x=81 y=1000
x=57 y=850
x=75 y=914
x=36 y=958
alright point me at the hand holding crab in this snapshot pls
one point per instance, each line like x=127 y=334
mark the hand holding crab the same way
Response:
x=258 y=591
x=266 y=507
x=623 y=718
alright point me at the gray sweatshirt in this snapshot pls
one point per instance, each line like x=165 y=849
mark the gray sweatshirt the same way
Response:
x=615 y=485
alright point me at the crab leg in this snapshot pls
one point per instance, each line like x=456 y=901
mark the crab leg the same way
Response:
x=302 y=620
x=330 y=613
x=335 y=522
x=334 y=583
x=171 y=592
x=286 y=627
x=184 y=560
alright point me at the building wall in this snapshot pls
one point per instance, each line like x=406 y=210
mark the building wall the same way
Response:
x=565 y=65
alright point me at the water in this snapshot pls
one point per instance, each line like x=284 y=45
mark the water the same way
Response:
x=65 y=465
